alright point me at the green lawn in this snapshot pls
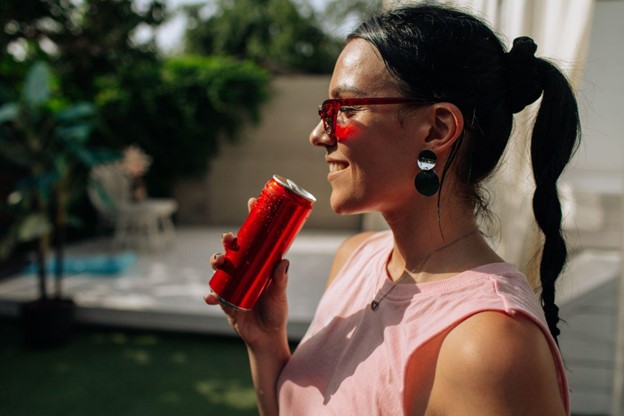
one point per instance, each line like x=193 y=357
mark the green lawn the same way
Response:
x=120 y=372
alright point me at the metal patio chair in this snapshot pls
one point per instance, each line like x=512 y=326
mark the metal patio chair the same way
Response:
x=145 y=224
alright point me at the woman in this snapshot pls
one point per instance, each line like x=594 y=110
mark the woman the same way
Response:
x=424 y=319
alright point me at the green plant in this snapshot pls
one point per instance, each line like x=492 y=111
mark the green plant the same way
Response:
x=45 y=139
x=281 y=35
x=80 y=39
x=179 y=112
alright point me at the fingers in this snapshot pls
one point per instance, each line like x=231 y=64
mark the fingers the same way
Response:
x=250 y=203
x=211 y=299
x=217 y=260
x=229 y=242
x=230 y=313
x=227 y=239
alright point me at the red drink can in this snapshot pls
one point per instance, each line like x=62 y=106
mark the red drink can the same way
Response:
x=274 y=221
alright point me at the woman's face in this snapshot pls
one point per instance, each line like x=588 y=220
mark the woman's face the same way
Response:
x=373 y=157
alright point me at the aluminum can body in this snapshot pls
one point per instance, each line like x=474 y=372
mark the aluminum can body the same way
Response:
x=265 y=236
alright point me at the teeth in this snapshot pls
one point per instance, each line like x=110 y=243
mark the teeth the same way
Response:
x=335 y=167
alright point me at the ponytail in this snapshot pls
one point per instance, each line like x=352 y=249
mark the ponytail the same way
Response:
x=555 y=138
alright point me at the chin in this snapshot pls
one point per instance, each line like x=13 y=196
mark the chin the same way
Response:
x=337 y=206
x=345 y=207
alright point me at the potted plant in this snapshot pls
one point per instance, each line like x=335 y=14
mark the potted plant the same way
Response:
x=45 y=138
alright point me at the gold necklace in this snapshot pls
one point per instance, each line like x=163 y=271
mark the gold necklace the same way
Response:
x=408 y=273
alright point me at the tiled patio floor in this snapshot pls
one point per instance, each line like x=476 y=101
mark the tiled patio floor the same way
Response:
x=164 y=290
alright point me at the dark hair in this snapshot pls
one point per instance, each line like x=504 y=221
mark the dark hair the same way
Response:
x=442 y=54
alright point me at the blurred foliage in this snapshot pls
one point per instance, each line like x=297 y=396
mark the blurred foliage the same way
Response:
x=38 y=135
x=176 y=109
x=180 y=111
x=273 y=33
x=81 y=39
x=45 y=138
x=353 y=12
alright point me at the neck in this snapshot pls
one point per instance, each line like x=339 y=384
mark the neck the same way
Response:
x=428 y=251
x=422 y=263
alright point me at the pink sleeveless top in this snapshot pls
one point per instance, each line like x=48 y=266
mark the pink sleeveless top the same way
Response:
x=352 y=360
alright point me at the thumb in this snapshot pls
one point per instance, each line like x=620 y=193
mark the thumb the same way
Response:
x=275 y=292
x=279 y=281
x=280 y=275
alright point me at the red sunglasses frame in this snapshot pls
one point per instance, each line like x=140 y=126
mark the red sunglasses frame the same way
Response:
x=329 y=109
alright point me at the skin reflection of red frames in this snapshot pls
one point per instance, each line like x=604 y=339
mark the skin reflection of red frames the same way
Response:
x=346 y=132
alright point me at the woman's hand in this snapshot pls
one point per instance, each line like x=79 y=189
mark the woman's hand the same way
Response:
x=267 y=321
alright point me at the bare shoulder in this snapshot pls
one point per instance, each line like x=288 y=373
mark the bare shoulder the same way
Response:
x=494 y=363
x=344 y=252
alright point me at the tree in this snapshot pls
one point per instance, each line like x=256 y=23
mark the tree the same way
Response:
x=141 y=97
x=273 y=33
x=340 y=13
x=180 y=112
x=82 y=40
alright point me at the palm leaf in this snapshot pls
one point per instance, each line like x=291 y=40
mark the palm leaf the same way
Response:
x=37 y=85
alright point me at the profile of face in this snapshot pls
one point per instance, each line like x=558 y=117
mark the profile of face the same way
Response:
x=373 y=151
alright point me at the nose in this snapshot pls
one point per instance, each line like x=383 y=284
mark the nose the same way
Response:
x=318 y=137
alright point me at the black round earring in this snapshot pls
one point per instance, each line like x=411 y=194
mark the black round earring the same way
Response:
x=427 y=182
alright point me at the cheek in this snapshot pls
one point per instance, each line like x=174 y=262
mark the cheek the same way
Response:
x=344 y=133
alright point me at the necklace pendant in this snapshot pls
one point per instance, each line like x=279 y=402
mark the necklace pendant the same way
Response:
x=374 y=304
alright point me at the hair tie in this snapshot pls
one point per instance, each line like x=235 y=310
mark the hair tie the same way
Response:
x=523 y=81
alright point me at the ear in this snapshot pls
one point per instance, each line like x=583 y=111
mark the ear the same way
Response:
x=448 y=124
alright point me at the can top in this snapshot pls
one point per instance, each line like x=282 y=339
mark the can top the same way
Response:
x=293 y=187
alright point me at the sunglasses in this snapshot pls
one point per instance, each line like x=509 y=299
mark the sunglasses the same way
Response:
x=329 y=109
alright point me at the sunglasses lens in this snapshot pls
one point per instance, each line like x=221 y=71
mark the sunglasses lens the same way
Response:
x=327 y=114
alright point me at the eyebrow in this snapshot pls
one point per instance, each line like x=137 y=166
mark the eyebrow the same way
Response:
x=351 y=90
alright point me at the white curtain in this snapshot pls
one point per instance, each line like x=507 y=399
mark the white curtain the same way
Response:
x=561 y=30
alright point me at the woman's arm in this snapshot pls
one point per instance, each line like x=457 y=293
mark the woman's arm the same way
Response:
x=268 y=351
x=263 y=330
x=266 y=365
x=495 y=364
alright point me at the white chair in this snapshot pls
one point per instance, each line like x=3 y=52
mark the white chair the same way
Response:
x=145 y=224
